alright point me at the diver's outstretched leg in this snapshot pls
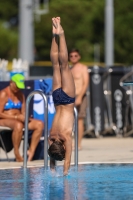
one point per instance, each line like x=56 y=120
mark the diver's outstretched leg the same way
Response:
x=54 y=55
x=67 y=81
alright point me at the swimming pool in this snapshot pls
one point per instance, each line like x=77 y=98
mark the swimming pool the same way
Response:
x=89 y=182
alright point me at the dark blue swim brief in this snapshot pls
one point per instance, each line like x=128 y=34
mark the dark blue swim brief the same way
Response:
x=61 y=98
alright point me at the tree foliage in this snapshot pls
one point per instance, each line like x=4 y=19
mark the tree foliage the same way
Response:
x=8 y=32
x=123 y=31
x=83 y=22
x=8 y=43
x=79 y=21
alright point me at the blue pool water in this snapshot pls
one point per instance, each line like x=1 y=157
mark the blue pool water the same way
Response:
x=89 y=182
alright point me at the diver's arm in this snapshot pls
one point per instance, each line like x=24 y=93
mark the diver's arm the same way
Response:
x=68 y=147
x=52 y=164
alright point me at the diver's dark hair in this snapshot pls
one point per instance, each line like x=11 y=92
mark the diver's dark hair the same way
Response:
x=57 y=151
x=74 y=50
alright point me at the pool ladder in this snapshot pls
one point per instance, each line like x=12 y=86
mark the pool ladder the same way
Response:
x=46 y=130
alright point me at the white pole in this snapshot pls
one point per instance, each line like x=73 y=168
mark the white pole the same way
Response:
x=26 y=33
x=109 y=33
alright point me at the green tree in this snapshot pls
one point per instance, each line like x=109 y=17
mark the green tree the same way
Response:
x=8 y=43
x=8 y=33
x=83 y=22
x=80 y=19
x=123 y=31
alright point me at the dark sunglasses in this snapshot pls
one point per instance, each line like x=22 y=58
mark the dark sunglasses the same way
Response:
x=73 y=56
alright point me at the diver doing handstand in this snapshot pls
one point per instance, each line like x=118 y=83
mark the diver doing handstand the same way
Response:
x=60 y=139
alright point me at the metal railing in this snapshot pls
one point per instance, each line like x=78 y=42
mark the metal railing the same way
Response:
x=124 y=78
x=45 y=127
x=46 y=130
x=76 y=137
x=129 y=91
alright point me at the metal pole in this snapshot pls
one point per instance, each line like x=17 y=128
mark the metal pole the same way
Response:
x=45 y=127
x=109 y=41
x=45 y=132
x=76 y=137
x=96 y=53
x=26 y=31
x=26 y=130
x=109 y=33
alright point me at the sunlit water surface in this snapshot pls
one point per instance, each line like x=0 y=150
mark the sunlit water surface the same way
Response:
x=89 y=182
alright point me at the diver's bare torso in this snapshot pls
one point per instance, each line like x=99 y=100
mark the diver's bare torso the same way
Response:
x=63 y=123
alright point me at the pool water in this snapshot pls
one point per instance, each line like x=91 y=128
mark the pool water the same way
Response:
x=89 y=182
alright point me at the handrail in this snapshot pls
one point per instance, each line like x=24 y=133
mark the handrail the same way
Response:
x=46 y=130
x=45 y=127
x=125 y=77
x=76 y=137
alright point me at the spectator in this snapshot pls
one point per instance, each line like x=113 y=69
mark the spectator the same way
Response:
x=81 y=79
x=12 y=115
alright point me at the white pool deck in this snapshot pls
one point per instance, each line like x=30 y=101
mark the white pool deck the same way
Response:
x=94 y=150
